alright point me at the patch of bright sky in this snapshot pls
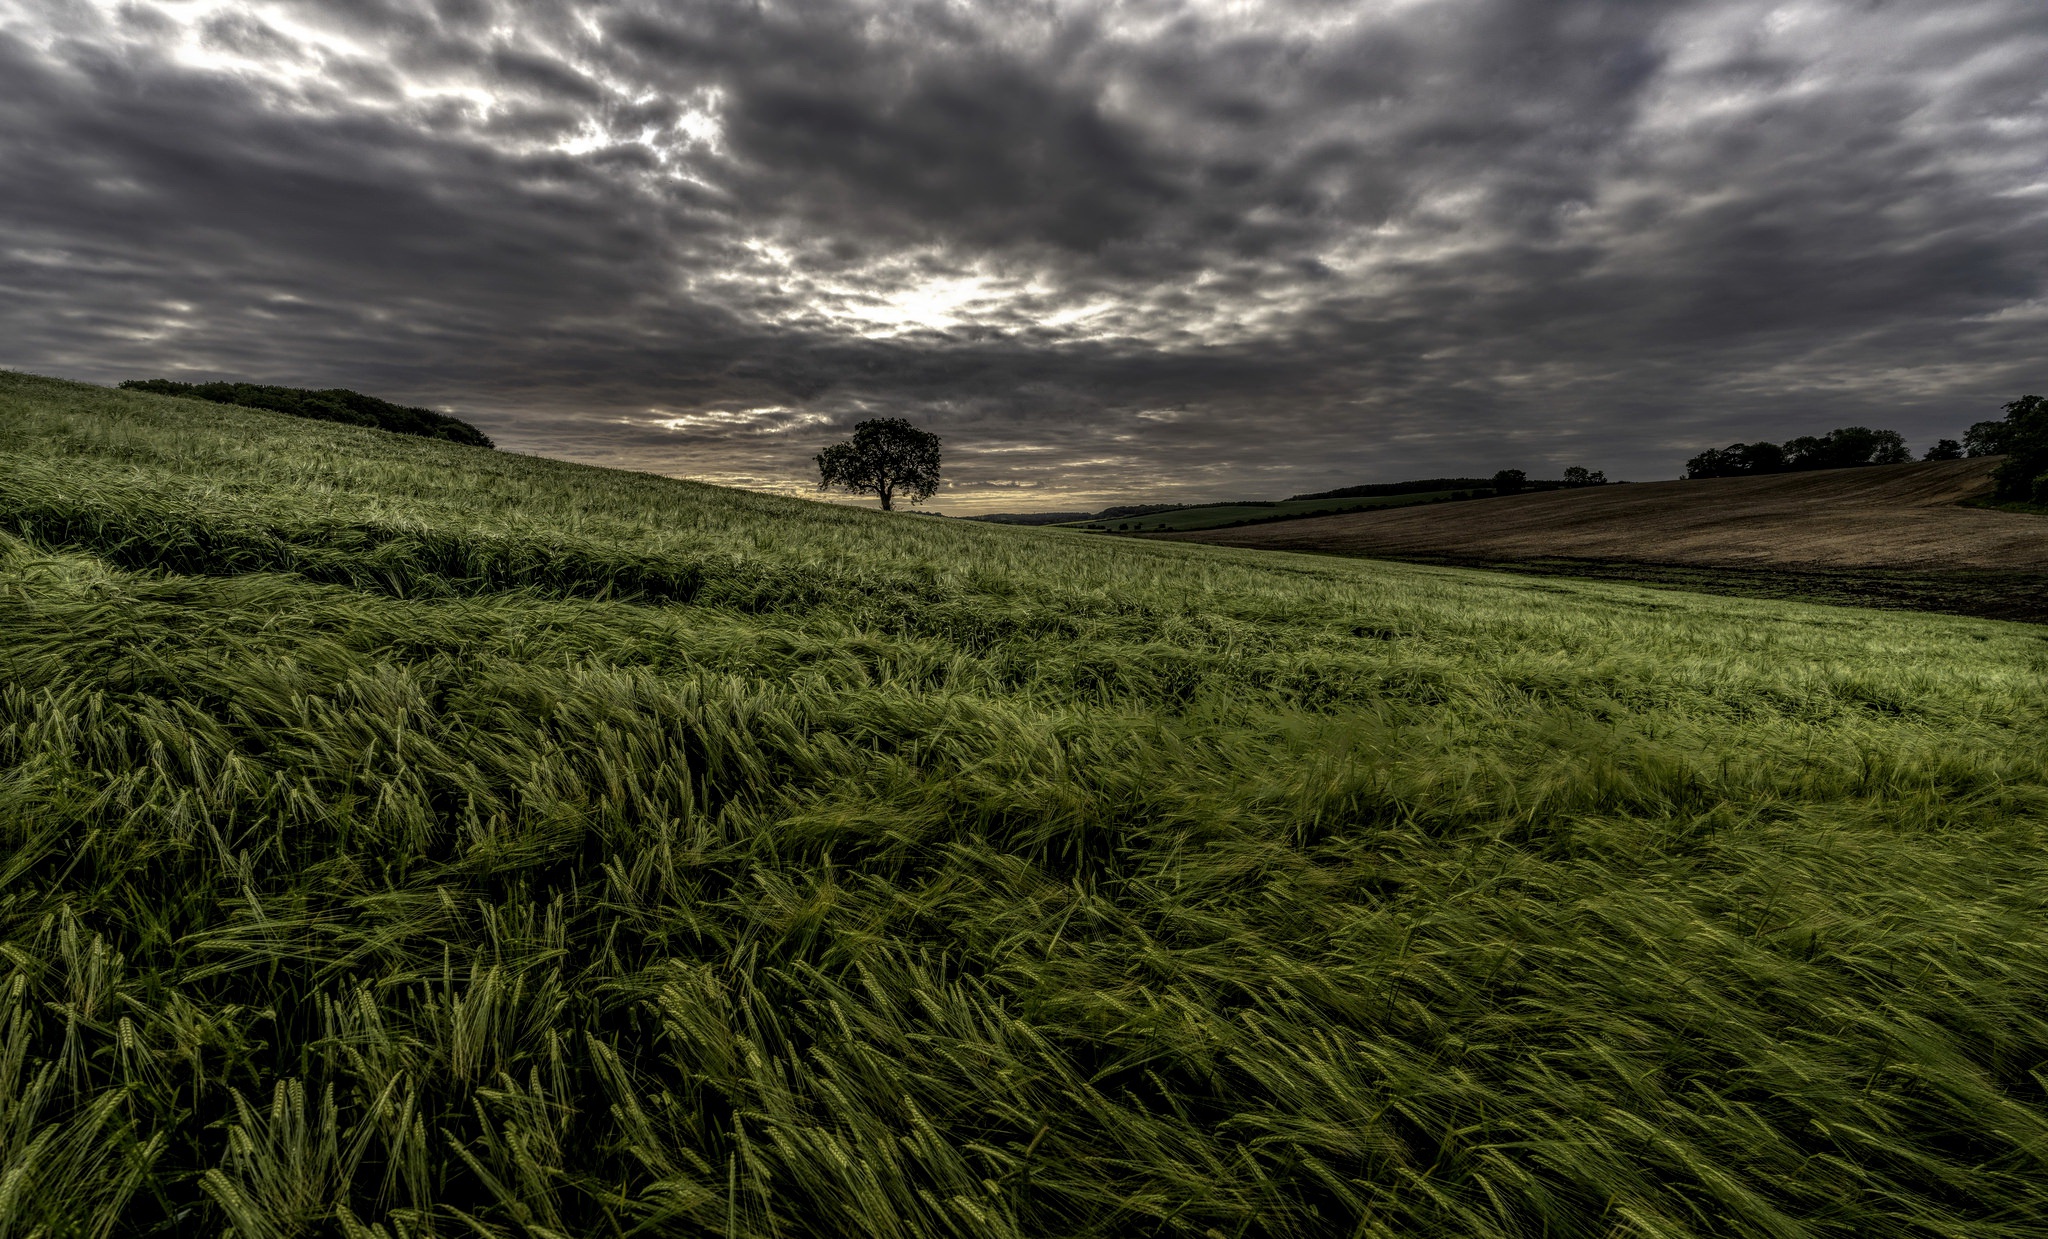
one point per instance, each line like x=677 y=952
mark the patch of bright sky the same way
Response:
x=764 y=419
x=1144 y=23
x=194 y=50
x=939 y=304
x=2018 y=312
x=892 y=297
x=902 y=295
x=313 y=47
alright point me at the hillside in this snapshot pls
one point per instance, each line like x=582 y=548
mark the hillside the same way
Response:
x=400 y=839
x=1905 y=520
x=333 y=404
x=1222 y=516
x=1896 y=516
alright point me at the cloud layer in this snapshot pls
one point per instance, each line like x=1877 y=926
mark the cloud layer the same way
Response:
x=1199 y=249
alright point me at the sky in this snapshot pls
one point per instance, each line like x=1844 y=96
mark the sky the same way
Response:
x=1202 y=250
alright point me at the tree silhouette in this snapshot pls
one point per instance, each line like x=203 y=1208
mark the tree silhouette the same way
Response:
x=886 y=455
x=2023 y=441
x=1842 y=448
x=1846 y=448
x=1984 y=439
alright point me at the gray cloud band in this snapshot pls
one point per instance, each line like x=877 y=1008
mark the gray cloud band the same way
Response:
x=1105 y=250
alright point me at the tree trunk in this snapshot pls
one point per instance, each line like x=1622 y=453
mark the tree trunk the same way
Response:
x=884 y=492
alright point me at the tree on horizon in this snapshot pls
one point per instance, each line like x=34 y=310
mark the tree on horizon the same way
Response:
x=886 y=455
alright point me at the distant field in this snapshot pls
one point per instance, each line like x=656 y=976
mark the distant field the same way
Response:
x=402 y=839
x=1244 y=514
x=1903 y=531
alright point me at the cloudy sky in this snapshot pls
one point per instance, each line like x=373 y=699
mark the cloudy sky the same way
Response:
x=1169 y=248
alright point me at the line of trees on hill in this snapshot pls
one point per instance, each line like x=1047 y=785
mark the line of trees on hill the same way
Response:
x=1516 y=481
x=2021 y=437
x=1417 y=487
x=333 y=404
x=1847 y=447
x=1505 y=482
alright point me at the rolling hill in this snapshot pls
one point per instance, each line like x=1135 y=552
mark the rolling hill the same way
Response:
x=1223 y=516
x=1895 y=529
x=405 y=839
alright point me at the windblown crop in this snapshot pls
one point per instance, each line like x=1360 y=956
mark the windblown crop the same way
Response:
x=404 y=839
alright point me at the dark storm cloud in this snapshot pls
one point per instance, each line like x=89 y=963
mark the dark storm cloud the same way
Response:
x=1105 y=250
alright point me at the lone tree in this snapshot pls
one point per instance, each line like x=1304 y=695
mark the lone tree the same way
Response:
x=1509 y=481
x=885 y=457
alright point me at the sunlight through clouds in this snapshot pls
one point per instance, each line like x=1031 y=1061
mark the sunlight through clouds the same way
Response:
x=1340 y=241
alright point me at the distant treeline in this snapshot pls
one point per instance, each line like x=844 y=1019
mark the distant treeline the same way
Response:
x=334 y=404
x=1124 y=513
x=2021 y=437
x=1397 y=488
x=1031 y=518
x=1154 y=509
x=1846 y=448
x=1505 y=482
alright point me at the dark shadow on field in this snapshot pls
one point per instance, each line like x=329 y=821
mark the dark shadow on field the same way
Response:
x=1984 y=593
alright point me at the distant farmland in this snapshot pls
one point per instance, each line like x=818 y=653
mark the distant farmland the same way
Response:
x=1889 y=535
x=1238 y=514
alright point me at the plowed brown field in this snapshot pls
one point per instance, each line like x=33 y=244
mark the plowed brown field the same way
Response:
x=1893 y=516
x=1891 y=524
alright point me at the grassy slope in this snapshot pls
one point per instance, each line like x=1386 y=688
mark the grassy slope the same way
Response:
x=1226 y=515
x=405 y=835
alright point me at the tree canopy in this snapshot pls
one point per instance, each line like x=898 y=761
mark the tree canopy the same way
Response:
x=885 y=457
x=333 y=404
x=1843 y=448
x=2022 y=438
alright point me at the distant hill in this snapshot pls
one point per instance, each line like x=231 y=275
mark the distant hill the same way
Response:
x=1904 y=530
x=1398 y=488
x=1031 y=518
x=1233 y=515
x=332 y=404
x=1221 y=512
x=1124 y=512
x=1883 y=515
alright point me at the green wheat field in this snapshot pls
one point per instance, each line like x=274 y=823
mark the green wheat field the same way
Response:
x=408 y=839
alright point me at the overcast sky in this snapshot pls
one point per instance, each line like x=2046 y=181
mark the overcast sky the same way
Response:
x=1200 y=249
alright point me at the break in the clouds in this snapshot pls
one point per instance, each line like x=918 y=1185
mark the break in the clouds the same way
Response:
x=1212 y=248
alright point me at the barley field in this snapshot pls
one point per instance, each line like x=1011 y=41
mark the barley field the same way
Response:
x=404 y=839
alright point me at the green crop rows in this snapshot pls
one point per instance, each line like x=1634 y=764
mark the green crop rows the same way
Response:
x=404 y=839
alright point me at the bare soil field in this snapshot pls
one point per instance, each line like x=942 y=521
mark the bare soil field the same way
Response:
x=1894 y=535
